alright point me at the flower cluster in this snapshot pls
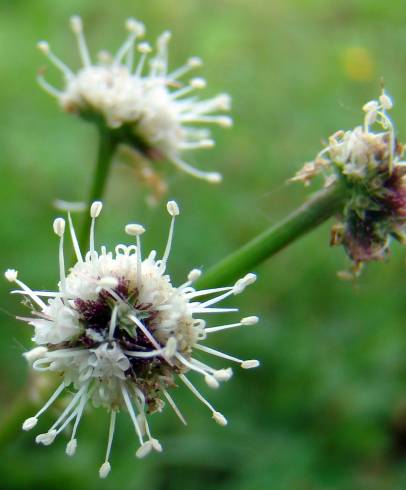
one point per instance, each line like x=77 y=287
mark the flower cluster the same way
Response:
x=121 y=335
x=156 y=112
x=368 y=162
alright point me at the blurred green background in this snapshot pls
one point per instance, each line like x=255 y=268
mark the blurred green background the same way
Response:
x=327 y=408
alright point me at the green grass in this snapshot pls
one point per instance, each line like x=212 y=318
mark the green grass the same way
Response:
x=327 y=409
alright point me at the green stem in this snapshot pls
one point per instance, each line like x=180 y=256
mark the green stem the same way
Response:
x=311 y=214
x=107 y=145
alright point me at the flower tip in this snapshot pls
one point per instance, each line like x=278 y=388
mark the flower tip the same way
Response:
x=370 y=106
x=173 y=208
x=194 y=275
x=95 y=209
x=224 y=102
x=11 y=275
x=214 y=177
x=225 y=121
x=223 y=374
x=219 y=418
x=43 y=46
x=386 y=101
x=29 y=423
x=76 y=24
x=156 y=445
x=71 y=447
x=104 y=470
x=250 y=364
x=250 y=320
x=59 y=226
x=144 y=450
x=242 y=283
x=135 y=26
x=198 y=83
x=144 y=48
x=35 y=354
x=47 y=438
x=134 y=229
x=165 y=37
x=211 y=381
x=195 y=62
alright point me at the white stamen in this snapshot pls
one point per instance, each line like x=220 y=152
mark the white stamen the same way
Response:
x=43 y=46
x=223 y=374
x=71 y=406
x=77 y=28
x=134 y=229
x=156 y=445
x=11 y=275
x=131 y=412
x=371 y=106
x=71 y=447
x=104 y=470
x=386 y=101
x=28 y=292
x=74 y=239
x=49 y=88
x=35 y=354
x=197 y=393
x=113 y=322
x=59 y=227
x=250 y=320
x=30 y=423
x=213 y=177
x=54 y=396
x=145 y=331
x=241 y=284
x=135 y=26
x=198 y=83
x=219 y=418
x=144 y=48
x=252 y=363
x=217 y=353
x=46 y=439
x=194 y=275
x=173 y=208
x=144 y=450
x=174 y=406
x=95 y=209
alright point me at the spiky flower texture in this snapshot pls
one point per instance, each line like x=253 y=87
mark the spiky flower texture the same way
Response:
x=121 y=336
x=368 y=162
x=156 y=112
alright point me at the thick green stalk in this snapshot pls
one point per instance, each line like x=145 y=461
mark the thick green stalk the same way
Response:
x=107 y=145
x=311 y=214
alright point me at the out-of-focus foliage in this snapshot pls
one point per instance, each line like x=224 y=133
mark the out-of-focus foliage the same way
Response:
x=327 y=409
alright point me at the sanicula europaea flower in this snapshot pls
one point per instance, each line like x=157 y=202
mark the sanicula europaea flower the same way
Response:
x=121 y=336
x=136 y=95
x=368 y=162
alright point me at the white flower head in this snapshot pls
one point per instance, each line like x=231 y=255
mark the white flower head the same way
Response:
x=135 y=91
x=358 y=153
x=121 y=335
x=367 y=161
